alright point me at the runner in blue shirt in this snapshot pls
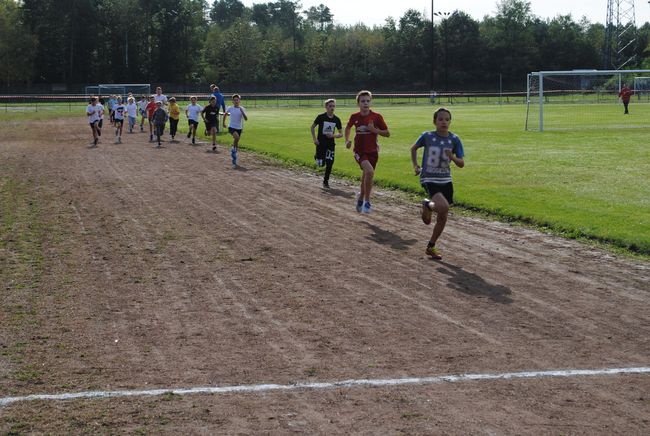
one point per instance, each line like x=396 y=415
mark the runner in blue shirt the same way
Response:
x=441 y=147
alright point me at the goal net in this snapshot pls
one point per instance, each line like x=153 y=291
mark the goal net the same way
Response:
x=642 y=88
x=122 y=89
x=582 y=99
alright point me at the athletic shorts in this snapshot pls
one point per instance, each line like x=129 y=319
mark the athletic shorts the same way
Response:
x=233 y=130
x=141 y=112
x=92 y=125
x=323 y=153
x=100 y=123
x=192 y=123
x=370 y=157
x=117 y=120
x=447 y=190
x=209 y=125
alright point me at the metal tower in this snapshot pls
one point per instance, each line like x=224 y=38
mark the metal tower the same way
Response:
x=620 y=34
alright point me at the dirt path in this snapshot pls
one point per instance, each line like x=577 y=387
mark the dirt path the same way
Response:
x=167 y=268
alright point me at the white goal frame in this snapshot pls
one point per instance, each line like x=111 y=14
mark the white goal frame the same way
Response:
x=542 y=74
x=124 y=87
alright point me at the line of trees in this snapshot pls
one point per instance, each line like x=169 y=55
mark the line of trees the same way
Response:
x=279 y=46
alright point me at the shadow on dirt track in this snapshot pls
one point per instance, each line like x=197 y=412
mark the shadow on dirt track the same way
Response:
x=473 y=284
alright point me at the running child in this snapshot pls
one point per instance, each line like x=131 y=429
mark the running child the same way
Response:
x=174 y=117
x=327 y=123
x=151 y=107
x=441 y=147
x=193 y=114
x=368 y=125
x=159 y=119
x=118 y=119
x=112 y=102
x=92 y=112
x=142 y=106
x=237 y=116
x=210 y=115
x=132 y=112
x=100 y=108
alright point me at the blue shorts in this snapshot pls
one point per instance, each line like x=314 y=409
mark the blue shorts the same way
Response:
x=232 y=130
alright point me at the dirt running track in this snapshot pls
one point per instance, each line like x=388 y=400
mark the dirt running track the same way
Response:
x=168 y=269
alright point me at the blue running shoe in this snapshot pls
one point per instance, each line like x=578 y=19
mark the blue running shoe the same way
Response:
x=366 y=207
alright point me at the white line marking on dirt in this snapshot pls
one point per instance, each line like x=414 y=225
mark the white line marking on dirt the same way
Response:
x=329 y=385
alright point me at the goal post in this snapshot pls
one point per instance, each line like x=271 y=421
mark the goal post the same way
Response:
x=567 y=100
x=119 y=89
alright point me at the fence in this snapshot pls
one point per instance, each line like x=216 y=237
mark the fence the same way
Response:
x=72 y=102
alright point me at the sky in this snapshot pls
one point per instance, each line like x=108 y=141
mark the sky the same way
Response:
x=374 y=12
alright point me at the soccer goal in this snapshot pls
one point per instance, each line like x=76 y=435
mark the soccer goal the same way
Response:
x=123 y=89
x=579 y=99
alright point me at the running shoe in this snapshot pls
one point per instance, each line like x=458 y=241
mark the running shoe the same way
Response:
x=359 y=204
x=366 y=208
x=189 y=134
x=433 y=252
x=193 y=140
x=426 y=211
x=214 y=148
x=326 y=184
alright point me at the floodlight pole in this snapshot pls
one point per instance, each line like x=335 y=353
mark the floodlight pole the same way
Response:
x=433 y=50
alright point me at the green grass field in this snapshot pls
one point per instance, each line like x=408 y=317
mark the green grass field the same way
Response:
x=586 y=176
x=588 y=182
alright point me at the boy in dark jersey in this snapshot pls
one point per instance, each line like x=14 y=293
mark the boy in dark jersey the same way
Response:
x=368 y=125
x=210 y=115
x=159 y=119
x=327 y=123
x=441 y=147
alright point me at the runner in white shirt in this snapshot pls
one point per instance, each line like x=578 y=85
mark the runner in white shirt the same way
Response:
x=118 y=114
x=92 y=112
x=159 y=96
x=193 y=114
x=132 y=111
x=237 y=116
x=142 y=107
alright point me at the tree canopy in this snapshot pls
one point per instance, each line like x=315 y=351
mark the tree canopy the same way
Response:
x=278 y=45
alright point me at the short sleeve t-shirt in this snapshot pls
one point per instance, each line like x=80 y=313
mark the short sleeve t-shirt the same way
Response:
x=193 y=112
x=132 y=110
x=364 y=140
x=327 y=125
x=161 y=97
x=435 y=162
x=211 y=114
x=151 y=107
x=94 y=113
x=236 y=117
x=119 y=111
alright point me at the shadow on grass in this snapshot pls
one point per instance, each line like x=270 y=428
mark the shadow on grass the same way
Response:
x=473 y=284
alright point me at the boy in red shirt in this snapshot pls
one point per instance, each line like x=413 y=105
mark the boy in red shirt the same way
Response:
x=625 y=95
x=368 y=125
x=150 y=109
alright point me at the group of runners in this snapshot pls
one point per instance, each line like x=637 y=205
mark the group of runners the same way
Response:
x=157 y=109
x=440 y=146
